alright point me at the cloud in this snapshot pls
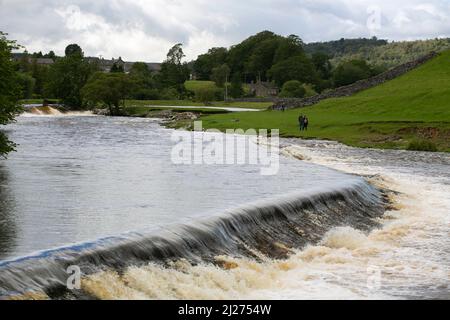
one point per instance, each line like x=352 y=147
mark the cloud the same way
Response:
x=146 y=29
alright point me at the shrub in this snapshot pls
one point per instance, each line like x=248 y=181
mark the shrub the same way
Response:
x=293 y=89
x=422 y=145
x=309 y=90
x=205 y=95
x=169 y=94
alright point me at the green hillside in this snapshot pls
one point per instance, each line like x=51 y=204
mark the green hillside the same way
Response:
x=194 y=85
x=414 y=107
x=395 y=53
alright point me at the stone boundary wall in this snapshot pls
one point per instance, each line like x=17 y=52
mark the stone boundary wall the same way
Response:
x=357 y=86
x=349 y=90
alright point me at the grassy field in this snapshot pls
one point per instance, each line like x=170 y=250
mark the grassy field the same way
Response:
x=142 y=111
x=414 y=107
x=189 y=103
x=193 y=85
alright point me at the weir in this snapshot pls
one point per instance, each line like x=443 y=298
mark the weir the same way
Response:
x=270 y=229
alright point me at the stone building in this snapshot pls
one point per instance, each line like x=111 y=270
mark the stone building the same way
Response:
x=40 y=61
x=263 y=89
x=105 y=65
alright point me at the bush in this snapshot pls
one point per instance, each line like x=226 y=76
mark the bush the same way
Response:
x=169 y=94
x=309 y=90
x=146 y=94
x=293 y=89
x=350 y=72
x=422 y=145
x=205 y=95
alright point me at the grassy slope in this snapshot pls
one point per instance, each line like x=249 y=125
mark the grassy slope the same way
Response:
x=193 y=85
x=189 y=103
x=413 y=106
x=142 y=111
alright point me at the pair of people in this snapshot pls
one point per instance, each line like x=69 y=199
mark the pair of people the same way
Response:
x=279 y=107
x=304 y=123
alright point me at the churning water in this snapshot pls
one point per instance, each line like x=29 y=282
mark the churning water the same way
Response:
x=214 y=232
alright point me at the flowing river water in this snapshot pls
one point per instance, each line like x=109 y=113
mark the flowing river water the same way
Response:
x=102 y=193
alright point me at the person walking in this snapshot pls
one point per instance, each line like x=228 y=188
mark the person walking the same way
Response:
x=305 y=123
x=301 y=121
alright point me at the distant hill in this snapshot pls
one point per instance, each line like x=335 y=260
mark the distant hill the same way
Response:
x=378 y=52
x=343 y=47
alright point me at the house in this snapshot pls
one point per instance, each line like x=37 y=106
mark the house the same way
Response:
x=106 y=65
x=39 y=61
x=43 y=61
x=263 y=89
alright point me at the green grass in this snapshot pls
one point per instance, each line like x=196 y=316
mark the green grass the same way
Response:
x=194 y=85
x=422 y=145
x=189 y=103
x=142 y=111
x=415 y=106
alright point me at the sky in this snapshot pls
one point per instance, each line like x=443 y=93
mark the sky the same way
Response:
x=144 y=30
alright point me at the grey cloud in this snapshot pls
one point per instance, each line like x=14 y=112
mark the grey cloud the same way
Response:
x=200 y=24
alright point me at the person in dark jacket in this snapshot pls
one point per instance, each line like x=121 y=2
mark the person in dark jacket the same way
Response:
x=301 y=121
x=305 y=123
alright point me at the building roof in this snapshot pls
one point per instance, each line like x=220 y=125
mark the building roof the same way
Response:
x=44 y=61
x=106 y=64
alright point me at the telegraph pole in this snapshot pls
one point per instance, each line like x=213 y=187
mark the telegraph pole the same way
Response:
x=226 y=88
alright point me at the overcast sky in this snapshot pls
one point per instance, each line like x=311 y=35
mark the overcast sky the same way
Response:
x=144 y=30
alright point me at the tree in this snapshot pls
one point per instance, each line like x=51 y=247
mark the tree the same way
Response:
x=293 y=89
x=236 y=90
x=205 y=95
x=27 y=84
x=220 y=75
x=175 y=54
x=67 y=76
x=173 y=72
x=51 y=55
x=73 y=49
x=322 y=64
x=111 y=89
x=262 y=58
x=9 y=91
x=144 y=82
x=205 y=63
x=116 y=68
x=296 y=68
x=349 y=72
x=239 y=55
x=289 y=47
x=40 y=74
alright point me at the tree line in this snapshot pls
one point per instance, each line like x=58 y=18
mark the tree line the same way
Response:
x=295 y=67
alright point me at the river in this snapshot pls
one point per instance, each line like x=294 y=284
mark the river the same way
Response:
x=103 y=193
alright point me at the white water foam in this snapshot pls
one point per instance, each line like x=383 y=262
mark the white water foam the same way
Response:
x=406 y=258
